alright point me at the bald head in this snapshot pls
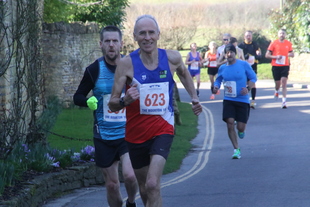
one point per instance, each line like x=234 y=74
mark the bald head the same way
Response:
x=144 y=17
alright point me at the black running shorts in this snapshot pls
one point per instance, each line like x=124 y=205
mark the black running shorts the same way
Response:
x=109 y=151
x=238 y=110
x=280 y=71
x=212 y=71
x=140 y=153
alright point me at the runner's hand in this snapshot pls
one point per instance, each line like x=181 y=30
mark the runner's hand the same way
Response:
x=196 y=107
x=132 y=94
x=215 y=89
x=92 y=103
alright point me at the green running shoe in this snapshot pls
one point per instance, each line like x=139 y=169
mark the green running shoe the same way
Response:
x=237 y=154
x=241 y=135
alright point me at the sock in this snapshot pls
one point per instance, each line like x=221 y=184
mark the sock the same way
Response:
x=128 y=204
x=283 y=99
x=276 y=91
x=236 y=149
x=253 y=93
x=212 y=89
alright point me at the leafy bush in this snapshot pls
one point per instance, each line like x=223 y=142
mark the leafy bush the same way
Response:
x=48 y=118
x=6 y=175
x=39 y=158
x=109 y=12
x=62 y=158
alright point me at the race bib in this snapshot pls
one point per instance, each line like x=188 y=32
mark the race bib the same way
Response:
x=281 y=61
x=213 y=64
x=206 y=63
x=154 y=98
x=108 y=115
x=251 y=60
x=194 y=65
x=230 y=89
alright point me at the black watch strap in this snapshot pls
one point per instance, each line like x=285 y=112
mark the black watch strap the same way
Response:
x=122 y=102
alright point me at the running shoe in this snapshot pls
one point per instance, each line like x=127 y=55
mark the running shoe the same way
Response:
x=276 y=95
x=252 y=105
x=237 y=154
x=212 y=97
x=241 y=135
x=218 y=92
x=130 y=204
x=284 y=105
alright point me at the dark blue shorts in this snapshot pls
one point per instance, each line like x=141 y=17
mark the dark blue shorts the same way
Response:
x=140 y=154
x=109 y=151
x=194 y=72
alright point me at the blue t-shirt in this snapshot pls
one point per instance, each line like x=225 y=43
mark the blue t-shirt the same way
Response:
x=234 y=78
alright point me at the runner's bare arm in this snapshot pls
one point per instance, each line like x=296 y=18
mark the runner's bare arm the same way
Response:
x=291 y=54
x=221 y=60
x=123 y=75
x=269 y=55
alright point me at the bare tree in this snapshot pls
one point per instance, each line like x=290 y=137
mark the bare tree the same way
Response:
x=21 y=72
x=183 y=23
x=178 y=23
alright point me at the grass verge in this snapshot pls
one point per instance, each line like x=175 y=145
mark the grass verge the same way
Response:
x=77 y=123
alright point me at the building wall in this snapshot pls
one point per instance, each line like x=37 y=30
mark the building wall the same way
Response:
x=300 y=68
x=67 y=50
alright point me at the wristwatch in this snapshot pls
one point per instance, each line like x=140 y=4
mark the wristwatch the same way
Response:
x=122 y=102
x=248 y=88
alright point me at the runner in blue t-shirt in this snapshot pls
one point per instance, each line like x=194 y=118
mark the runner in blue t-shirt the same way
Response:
x=235 y=75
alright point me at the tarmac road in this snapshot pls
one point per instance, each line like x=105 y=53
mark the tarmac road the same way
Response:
x=273 y=171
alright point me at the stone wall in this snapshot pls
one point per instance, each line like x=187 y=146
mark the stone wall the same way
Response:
x=50 y=185
x=67 y=50
x=300 y=68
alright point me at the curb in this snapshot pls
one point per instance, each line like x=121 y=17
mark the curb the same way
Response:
x=301 y=86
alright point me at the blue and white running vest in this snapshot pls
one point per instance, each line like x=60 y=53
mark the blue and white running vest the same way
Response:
x=108 y=125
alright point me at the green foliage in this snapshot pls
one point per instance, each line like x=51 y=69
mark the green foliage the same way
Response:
x=6 y=175
x=39 y=159
x=18 y=158
x=294 y=17
x=109 y=12
x=48 y=118
x=56 y=11
x=64 y=158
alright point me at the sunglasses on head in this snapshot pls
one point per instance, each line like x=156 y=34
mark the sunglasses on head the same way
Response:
x=225 y=39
